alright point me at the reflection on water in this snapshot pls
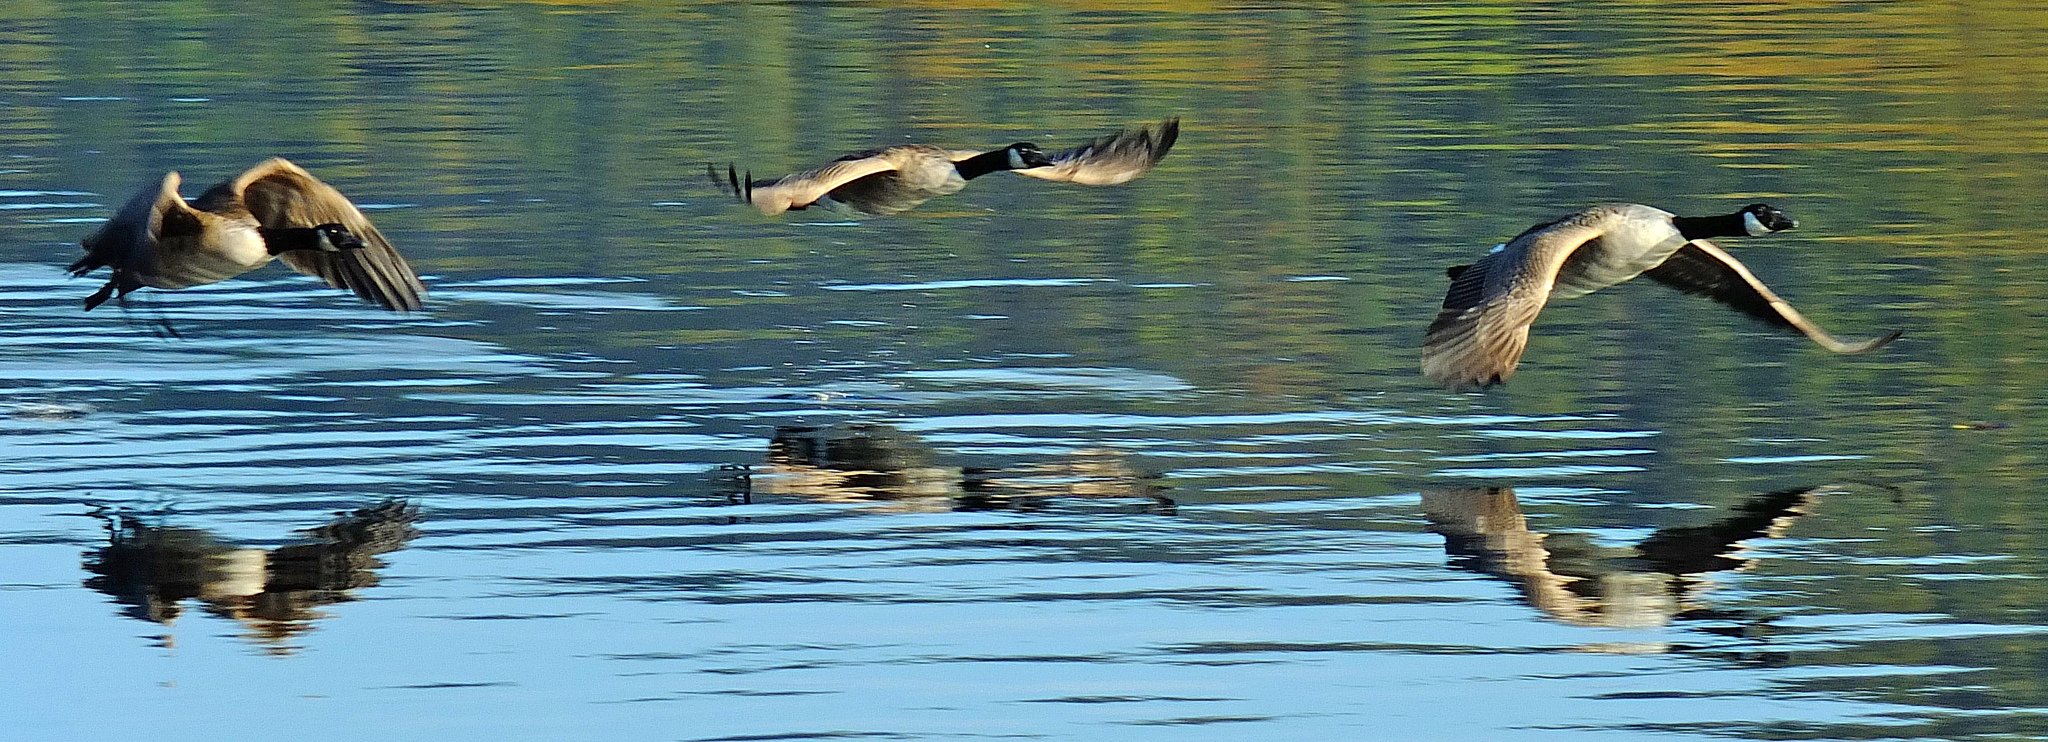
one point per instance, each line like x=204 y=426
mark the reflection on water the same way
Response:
x=275 y=593
x=870 y=463
x=935 y=409
x=1571 y=577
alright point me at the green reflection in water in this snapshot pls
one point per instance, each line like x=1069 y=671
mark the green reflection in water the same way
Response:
x=1376 y=144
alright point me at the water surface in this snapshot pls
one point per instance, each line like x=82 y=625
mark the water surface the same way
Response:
x=1149 y=462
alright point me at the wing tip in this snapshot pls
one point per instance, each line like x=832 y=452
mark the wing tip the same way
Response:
x=1455 y=365
x=413 y=300
x=99 y=297
x=1465 y=380
x=1878 y=342
x=730 y=182
x=1169 y=132
x=740 y=188
x=1833 y=345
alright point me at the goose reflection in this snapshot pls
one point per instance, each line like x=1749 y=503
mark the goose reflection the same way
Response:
x=1570 y=578
x=274 y=593
x=896 y=471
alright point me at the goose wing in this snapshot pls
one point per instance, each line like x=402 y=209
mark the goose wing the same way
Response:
x=1109 y=160
x=1480 y=333
x=1705 y=269
x=1716 y=546
x=130 y=236
x=280 y=194
x=798 y=190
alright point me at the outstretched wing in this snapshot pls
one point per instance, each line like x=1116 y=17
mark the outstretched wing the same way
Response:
x=283 y=195
x=1110 y=160
x=798 y=190
x=129 y=237
x=1479 y=335
x=1705 y=269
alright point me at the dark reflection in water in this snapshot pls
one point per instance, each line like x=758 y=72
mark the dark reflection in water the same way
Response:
x=865 y=462
x=276 y=593
x=1568 y=576
x=610 y=332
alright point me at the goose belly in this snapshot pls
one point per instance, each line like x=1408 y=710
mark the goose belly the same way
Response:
x=896 y=191
x=1615 y=257
x=183 y=262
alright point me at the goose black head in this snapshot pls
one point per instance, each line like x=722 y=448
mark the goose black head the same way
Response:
x=1763 y=219
x=336 y=238
x=1026 y=154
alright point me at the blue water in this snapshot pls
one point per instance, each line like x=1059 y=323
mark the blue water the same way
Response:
x=1033 y=461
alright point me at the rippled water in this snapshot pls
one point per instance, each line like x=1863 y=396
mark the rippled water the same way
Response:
x=1150 y=462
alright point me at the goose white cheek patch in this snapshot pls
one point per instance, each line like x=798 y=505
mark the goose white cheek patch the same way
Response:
x=1016 y=160
x=1752 y=226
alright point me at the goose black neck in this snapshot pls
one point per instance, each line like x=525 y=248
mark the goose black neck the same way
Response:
x=280 y=240
x=983 y=164
x=1698 y=227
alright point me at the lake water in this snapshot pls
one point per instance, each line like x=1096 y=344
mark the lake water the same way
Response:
x=1033 y=461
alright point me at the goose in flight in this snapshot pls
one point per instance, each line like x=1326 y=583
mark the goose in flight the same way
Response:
x=273 y=210
x=1483 y=328
x=895 y=179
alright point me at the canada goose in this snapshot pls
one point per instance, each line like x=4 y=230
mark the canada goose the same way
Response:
x=1580 y=580
x=153 y=569
x=1479 y=335
x=870 y=463
x=893 y=179
x=272 y=210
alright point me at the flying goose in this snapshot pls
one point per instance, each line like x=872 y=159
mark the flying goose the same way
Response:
x=894 y=179
x=272 y=210
x=1479 y=335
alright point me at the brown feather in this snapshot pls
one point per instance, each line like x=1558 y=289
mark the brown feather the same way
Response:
x=799 y=190
x=1110 y=160
x=280 y=194
x=1483 y=329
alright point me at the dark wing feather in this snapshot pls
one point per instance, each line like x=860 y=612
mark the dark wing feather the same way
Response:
x=130 y=236
x=1704 y=269
x=1110 y=160
x=280 y=194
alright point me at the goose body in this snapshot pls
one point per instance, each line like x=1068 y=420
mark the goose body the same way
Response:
x=894 y=179
x=915 y=173
x=275 y=210
x=1478 y=337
